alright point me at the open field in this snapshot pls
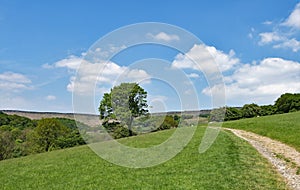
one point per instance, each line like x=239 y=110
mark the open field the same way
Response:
x=282 y=127
x=230 y=163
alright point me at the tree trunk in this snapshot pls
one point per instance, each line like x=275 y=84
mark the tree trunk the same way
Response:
x=129 y=126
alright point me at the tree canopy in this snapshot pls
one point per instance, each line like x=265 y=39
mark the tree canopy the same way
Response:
x=47 y=133
x=288 y=102
x=285 y=103
x=251 y=110
x=21 y=136
x=123 y=104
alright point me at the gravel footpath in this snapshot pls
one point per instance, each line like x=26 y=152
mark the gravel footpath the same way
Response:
x=284 y=158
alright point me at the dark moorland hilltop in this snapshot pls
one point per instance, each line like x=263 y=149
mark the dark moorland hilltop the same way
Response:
x=89 y=119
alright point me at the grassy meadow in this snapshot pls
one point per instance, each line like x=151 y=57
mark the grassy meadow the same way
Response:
x=281 y=127
x=230 y=163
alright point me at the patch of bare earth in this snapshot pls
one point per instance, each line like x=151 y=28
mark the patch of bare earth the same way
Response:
x=284 y=158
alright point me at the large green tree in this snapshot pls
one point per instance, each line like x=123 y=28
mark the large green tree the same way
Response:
x=288 y=102
x=123 y=104
x=48 y=134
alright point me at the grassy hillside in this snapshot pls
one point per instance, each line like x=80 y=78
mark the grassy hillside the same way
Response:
x=281 y=127
x=229 y=164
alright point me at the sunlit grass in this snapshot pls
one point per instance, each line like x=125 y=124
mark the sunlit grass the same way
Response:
x=281 y=127
x=230 y=163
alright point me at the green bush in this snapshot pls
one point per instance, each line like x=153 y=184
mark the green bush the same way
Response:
x=168 y=123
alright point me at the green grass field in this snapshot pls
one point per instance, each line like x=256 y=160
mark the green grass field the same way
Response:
x=230 y=163
x=281 y=127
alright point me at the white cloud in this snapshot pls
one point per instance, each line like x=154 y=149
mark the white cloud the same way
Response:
x=105 y=52
x=261 y=83
x=206 y=59
x=294 y=19
x=96 y=77
x=11 y=85
x=14 y=77
x=267 y=22
x=14 y=81
x=283 y=34
x=269 y=37
x=71 y=62
x=50 y=97
x=290 y=44
x=162 y=36
x=193 y=75
x=47 y=66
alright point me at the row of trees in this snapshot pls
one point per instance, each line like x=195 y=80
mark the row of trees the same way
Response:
x=128 y=101
x=285 y=103
x=20 y=136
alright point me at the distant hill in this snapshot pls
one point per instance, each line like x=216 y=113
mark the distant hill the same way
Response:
x=89 y=119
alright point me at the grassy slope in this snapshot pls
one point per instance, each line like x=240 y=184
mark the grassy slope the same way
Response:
x=229 y=164
x=283 y=127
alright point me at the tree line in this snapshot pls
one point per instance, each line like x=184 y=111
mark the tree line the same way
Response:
x=21 y=136
x=284 y=104
x=127 y=101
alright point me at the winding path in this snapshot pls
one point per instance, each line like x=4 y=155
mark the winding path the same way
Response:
x=283 y=157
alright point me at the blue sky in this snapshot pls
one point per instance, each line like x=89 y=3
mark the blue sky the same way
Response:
x=256 y=44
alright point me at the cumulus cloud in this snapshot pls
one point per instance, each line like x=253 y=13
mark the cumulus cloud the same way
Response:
x=206 y=59
x=71 y=62
x=14 y=81
x=279 y=41
x=294 y=18
x=290 y=44
x=98 y=76
x=269 y=37
x=162 y=36
x=261 y=82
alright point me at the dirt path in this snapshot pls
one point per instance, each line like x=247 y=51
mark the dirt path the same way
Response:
x=284 y=158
